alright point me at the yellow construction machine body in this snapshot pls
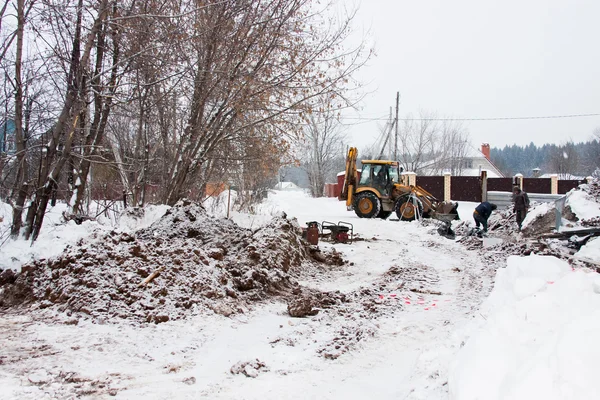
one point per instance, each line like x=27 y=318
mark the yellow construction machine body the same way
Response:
x=381 y=191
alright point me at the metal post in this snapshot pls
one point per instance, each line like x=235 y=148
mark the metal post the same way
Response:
x=484 y=189
x=558 y=206
x=228 y=199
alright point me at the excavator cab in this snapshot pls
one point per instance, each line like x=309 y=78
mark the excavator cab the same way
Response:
x=380 y=175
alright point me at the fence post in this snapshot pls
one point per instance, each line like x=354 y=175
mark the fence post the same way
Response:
x=484 y=185
x=553 y=184
x=519 y=181
x=447 y=187
x=558 y=206
x=412 y=178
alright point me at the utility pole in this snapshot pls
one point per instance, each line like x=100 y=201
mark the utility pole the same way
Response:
x=396 y=122
x=389 y=139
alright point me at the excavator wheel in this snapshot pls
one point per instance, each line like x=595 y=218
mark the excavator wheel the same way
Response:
x=384 y=214
x=407 y=210
x=367 y=205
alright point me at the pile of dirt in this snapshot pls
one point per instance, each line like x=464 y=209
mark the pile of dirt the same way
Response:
x=593 y=191
x=503 y=223
x=533 y=239
x=593 y=187
x=7 y=276
x=183 y=264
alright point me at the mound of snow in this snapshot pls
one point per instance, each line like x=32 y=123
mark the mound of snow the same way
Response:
x=53 y=239
x=537 y=340
x=583 y=204
x=590 y=251
x=132 y=219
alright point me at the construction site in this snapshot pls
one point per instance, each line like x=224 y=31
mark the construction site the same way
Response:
x=194 y=300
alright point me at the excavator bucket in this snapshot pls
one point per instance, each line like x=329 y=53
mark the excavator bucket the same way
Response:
x=446 y=211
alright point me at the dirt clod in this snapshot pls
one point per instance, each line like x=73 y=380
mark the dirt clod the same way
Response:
x=249 y=368
x=302 y=307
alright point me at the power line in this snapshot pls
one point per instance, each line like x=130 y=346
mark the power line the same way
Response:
x=479 y=119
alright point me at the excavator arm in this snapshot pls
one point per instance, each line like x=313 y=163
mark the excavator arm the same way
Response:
x=350 y=177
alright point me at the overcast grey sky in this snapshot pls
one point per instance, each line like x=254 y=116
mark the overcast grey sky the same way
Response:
x=484 y=59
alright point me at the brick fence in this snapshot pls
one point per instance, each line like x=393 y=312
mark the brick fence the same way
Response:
x=475 y=188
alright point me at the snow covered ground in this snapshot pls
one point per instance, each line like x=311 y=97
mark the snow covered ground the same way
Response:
x=531 y=338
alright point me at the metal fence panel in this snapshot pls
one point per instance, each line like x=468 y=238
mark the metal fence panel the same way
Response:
x=433 y=184
x=500 y=184
x=565 y=185
x=537 y=185
x=465 y=188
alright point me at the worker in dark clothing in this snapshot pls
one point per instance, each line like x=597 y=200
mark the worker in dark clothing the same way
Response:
x=381 y=181
x=482 y=213
x=521 y=206
x=514 y=193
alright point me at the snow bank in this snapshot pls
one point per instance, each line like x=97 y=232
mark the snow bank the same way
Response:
x=52 y=241
x=132 y=219
x=56 y=234
x=591 y=250
x=537 y=338
x=582 y=204
x=217 y=205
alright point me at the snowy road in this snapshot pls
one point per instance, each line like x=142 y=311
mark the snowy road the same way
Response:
x=401 y=351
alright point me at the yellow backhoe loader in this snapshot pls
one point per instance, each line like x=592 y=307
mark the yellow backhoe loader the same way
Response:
x=380 y=191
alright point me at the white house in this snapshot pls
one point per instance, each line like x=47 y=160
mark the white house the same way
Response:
x=471 y=163
x=477 y=160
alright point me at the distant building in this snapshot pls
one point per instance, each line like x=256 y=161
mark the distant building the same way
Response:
x=564 y=176
x=471 y=163
x=287 y=186
x=7 y=137
x=477 y=160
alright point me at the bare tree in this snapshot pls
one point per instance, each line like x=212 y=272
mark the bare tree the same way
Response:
x=58 y=149
x=564 y=160
x=259 y=64
x=323 y=147
x=103 y=93
x=450 y=148
x=167 y=95
x=431 y=145
x=20 y=188
x=590 y=160
x=417 y=142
